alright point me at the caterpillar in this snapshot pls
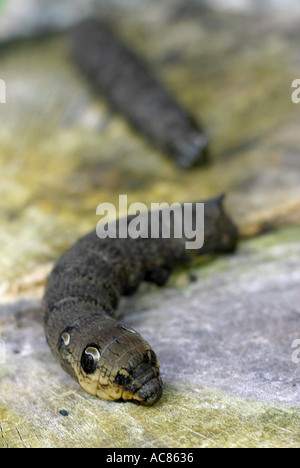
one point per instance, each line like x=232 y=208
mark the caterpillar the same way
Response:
x=109 y=359
x=125 y=81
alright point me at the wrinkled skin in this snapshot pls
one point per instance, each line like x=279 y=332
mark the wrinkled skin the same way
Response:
x=109 y=359
x=125 y=81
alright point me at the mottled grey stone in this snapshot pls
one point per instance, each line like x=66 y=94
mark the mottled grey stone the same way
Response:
x=225 y=339
x=225 y=348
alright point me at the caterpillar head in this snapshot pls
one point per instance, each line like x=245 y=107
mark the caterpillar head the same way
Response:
x=118 y=364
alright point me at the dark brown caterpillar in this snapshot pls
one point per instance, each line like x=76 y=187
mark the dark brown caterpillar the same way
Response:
x=127 y=84
x=109 y=359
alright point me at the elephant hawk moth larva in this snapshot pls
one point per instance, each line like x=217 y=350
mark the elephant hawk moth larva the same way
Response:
x=126 y=83
x=109 y=359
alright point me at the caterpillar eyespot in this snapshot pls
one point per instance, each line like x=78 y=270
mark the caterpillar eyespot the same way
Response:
x=66 y=338
x=94 y=352
x=129 y=329
x=109 y=359
x=90 y=358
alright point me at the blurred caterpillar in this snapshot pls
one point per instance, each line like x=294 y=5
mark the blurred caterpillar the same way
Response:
x=127 y=84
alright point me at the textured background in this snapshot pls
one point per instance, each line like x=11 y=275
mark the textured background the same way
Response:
x=223 y=329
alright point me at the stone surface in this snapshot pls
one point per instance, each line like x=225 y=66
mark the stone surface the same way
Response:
x=27 y=18
x=225 y=347
x=64 y=152
x=224 y=340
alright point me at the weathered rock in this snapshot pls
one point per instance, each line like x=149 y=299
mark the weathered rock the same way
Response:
x=225 y=347
x=91 y=155
x=224 y=341
x=28 y=18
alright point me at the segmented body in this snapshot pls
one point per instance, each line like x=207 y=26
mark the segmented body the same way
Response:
x=126 y=83
x=109 y=359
